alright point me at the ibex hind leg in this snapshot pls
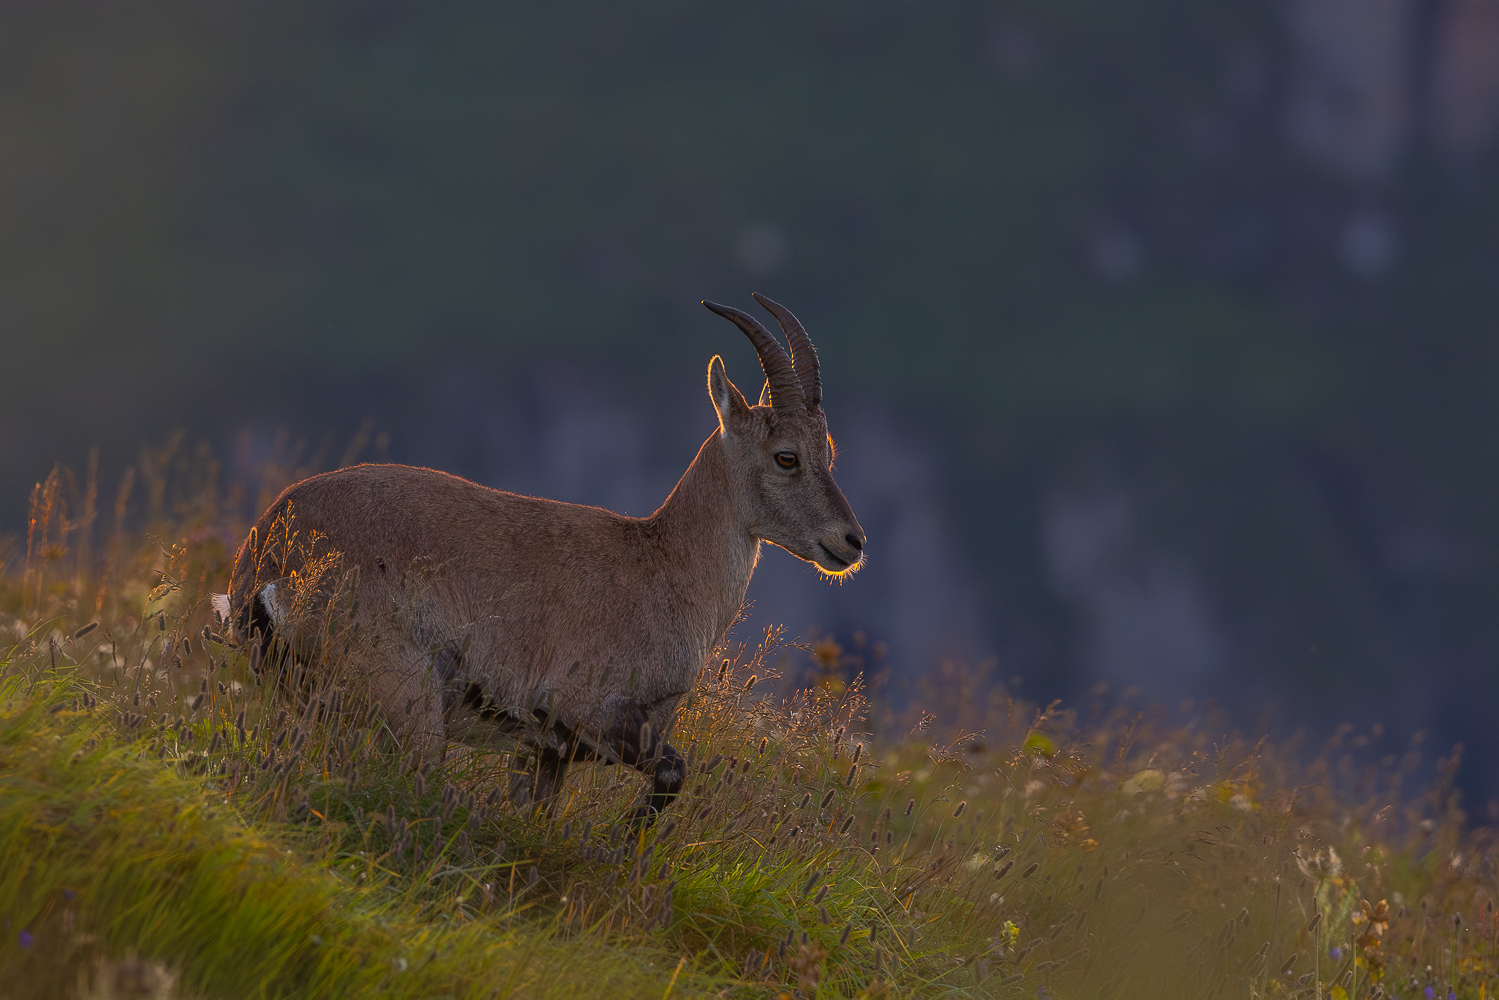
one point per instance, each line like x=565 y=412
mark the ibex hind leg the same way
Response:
x=403 y=691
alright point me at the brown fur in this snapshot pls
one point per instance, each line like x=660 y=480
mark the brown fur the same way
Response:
x=481 y=613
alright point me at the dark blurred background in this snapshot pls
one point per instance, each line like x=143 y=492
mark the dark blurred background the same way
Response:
x=1158 y=337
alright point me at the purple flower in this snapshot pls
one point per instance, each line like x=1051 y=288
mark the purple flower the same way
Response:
x=1336 y=953
x=1430 y=993
x=1451 y=995
x=27 y=940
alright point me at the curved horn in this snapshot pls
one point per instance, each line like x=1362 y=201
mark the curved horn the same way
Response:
x=803 y=354
x=780 y=374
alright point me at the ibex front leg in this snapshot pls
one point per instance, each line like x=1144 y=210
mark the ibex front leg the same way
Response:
x=633 y=741
x=539 y=784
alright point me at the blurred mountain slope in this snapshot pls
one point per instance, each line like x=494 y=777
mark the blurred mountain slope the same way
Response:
x=1186 y=311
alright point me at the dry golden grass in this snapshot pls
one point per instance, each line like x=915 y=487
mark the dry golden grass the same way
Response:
x=157 y=798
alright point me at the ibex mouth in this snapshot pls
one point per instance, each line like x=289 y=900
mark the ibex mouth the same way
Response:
x=838 y=561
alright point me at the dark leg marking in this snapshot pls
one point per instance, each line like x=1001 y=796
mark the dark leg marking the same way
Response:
x=255 y=622
x=274 y=661
x=555 y=746
x=542 y=779
x=473 y=699
x=638 y=746
x=447 y=661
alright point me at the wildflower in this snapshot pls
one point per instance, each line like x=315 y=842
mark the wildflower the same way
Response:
x=26 y=939
x=1430 y=993
x=827 y=653
x=1319 y=866
x=1336 y=953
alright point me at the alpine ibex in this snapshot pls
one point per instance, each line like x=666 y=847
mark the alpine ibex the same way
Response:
x=487 y=615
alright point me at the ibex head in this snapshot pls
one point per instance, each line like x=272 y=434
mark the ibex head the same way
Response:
x=779 y=453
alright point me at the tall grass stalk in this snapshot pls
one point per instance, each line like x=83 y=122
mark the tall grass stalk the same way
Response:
x=249 y=831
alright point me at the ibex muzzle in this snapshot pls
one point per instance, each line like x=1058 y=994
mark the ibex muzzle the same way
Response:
x=485 y=617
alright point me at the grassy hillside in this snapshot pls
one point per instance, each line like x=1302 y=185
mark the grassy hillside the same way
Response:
x=164 y=813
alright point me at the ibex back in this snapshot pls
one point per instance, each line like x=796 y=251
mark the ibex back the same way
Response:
x=485 y=617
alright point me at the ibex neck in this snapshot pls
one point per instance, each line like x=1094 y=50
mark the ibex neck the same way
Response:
x=705 y=538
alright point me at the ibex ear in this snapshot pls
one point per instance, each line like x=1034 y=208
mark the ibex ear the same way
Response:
x=733 y=411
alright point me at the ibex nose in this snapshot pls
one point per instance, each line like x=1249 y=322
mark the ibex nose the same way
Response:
x=855 y=541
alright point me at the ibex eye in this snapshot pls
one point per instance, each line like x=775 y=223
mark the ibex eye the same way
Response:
x=786 y=459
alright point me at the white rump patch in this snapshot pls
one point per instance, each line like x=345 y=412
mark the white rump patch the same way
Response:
x=272 y=605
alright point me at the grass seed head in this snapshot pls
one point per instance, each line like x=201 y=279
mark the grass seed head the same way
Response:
x=942 y=902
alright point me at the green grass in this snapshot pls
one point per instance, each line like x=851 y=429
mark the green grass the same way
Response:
x=159 y=805
x=105 y=848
